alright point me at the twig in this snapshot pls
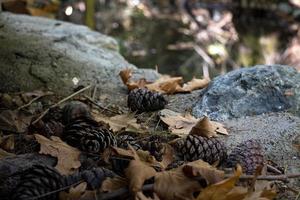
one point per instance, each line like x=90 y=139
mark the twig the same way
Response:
x=273 y=169
x=99 y=106
x=33 y=100
x=283 y=178
x=60 y=102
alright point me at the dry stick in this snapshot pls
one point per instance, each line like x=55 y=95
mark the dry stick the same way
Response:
x=33 y=100
x=98 y=105
x=150 y=187
x=60 y=102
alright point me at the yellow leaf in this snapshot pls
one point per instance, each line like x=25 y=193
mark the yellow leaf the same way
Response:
x=67 y=156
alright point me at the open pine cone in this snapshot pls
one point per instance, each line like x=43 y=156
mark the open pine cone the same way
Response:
x=195 y=147
x=248 y=154
x=88 y=135
x=144 y=100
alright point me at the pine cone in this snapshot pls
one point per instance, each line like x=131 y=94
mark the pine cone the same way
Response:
x=88 y=135
x=154 y=144
x=37 y=181
x=142 y=100
x=53 y=114
x=195 y=147
x=248 y=154
x=124 y=139
x=73 y=110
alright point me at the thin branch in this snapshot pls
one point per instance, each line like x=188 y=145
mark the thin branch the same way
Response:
x=99 y=106
x=60 y=102
x=33 y=100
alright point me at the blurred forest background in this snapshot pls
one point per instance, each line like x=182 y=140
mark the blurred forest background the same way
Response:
x=186 y=37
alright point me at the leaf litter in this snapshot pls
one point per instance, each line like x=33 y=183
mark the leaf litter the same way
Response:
x=144 y=174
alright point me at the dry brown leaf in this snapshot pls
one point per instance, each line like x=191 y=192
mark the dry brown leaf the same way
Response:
x=165 y=84
x=14 y=121
x=195 y=84
x=74 y=192
x=180 y=183
x=226 y=190
x=223 y=189
x=206 y=128
x=7 y=142
x=111 y=184
x=182 y=125
x=126 y=122
x=202 y=169
x=4 y=154
x=137 y=172
x=67 y=156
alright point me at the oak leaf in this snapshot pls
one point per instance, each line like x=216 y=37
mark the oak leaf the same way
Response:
x=67 y=156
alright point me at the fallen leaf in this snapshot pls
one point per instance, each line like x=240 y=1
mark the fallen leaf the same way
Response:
x=183 y=124
x=165 y=84
x=111 y=184
x=206 y=128
x=195 y=84
x=67 y=156
x=7 y=142
x=126 y=122
x=4 y=154
x=202 y=169
x=223 y=189
x=136 y=173
x=180 y=184
x=74 y=192
x=14 y=121
x=227 y=190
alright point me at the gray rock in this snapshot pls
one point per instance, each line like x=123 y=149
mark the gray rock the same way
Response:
x=250 y=91
x=40 y=53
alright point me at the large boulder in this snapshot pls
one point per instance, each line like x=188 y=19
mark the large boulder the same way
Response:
x=250 y=91
x=40 y=53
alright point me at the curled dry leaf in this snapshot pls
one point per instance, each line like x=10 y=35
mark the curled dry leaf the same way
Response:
x=180 y=183
x=165 y=84
x=74 y=193
x=67 y=156
x=183 y=124
x=206 y=128
x=125 y=122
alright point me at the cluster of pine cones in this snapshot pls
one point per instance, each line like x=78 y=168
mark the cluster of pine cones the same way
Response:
x=75 y=125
